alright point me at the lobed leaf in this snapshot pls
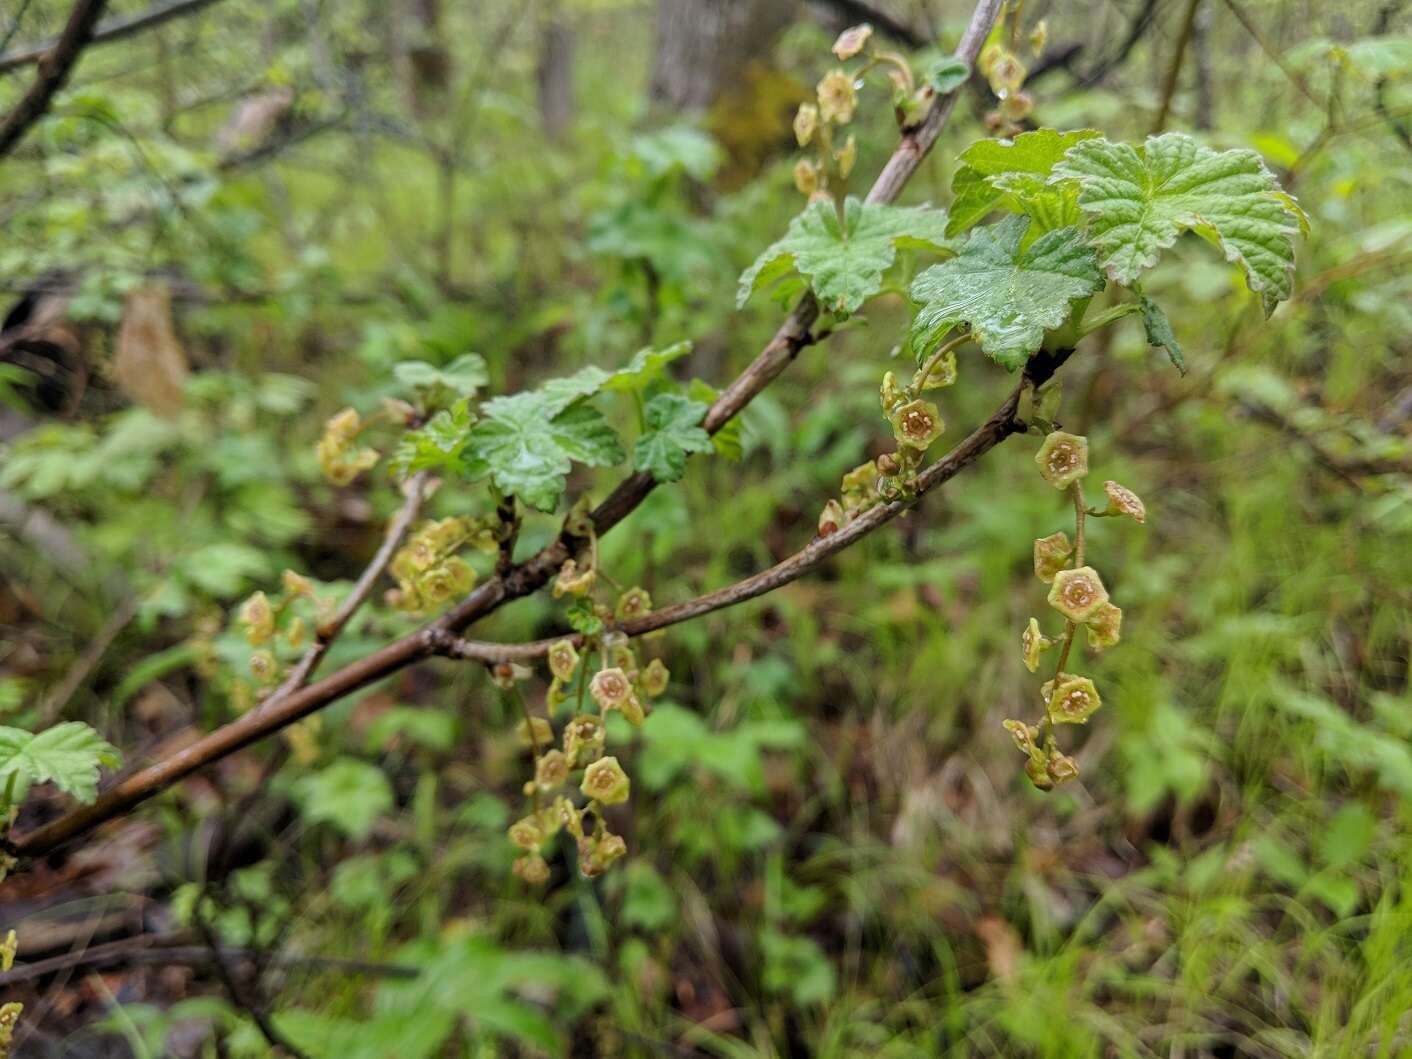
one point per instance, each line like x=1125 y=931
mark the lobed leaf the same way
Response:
x=1013 y=175
x=67 y=755
x=1008 y=293
x=1140 y=199
x=673 y=430
x=844 y=259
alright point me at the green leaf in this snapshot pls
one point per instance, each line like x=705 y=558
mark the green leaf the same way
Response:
x=349 y=794
x=1011 y=174
x=647 y=366
x=844 y=262
x=673 y=430
x=464 y=375
x=436 y=446
x=727 y=441
x=527 y=445
x=947 y=74
x=1009 y=296
x=1159 y=331
x=67 y=755
x=1140 y=199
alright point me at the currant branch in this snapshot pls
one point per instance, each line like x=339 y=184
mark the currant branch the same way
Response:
x=293 y=702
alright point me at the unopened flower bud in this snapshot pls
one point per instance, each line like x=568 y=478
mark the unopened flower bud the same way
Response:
x=1077 y=594
x=1073 y=700
x=846 y=156
x=1050 y=555
x=1034 y=643
x=806 y=120
x=1062 y=459
x=295 y=633
x=831 y=519
x=1039 y=35
x=563 y=660
x=654 y=678
x=1061 y=767
x=632 y=709
x=916 y=424
x=890 y=394
x=1123 y=501
x=505 y=675
x=806 y=176
x=605 y=781
x=1036 y=770
x=851 y=41
x=535 y=732
x=1105 y=626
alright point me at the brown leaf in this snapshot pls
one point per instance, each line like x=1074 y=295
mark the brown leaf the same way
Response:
x=150 y=365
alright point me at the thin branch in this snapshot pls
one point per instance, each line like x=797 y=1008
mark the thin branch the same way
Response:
x=57 y=699
x=111 y=30
x=55 y=65
x=1174 y=68
x=1273 y=54
x=415 y=491
x=240 y=997
x=1001 y=424
x=884 y=23
x=284 y=709
x=18 y=18
x=172 y=949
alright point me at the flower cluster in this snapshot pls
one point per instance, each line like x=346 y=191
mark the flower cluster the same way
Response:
x=280 y=625
x=1077 y=592
x=835 y=102
x=620 y=682
x=1005 y=72
x=428 y=570
x=340 y=457
x=916 y=424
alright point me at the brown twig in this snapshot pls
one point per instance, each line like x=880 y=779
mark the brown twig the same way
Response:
x=174 y=949
x=1174 y=68
x=415 y=492
x=284 y=709
x=240 y=997
x=55 y=65
x=57 y=699
x=111 y=30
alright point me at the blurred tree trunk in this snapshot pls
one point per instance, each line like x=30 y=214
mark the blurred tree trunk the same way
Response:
x=1201 y=53
x=555 y=73
x=704 y=45
x=422 y=60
